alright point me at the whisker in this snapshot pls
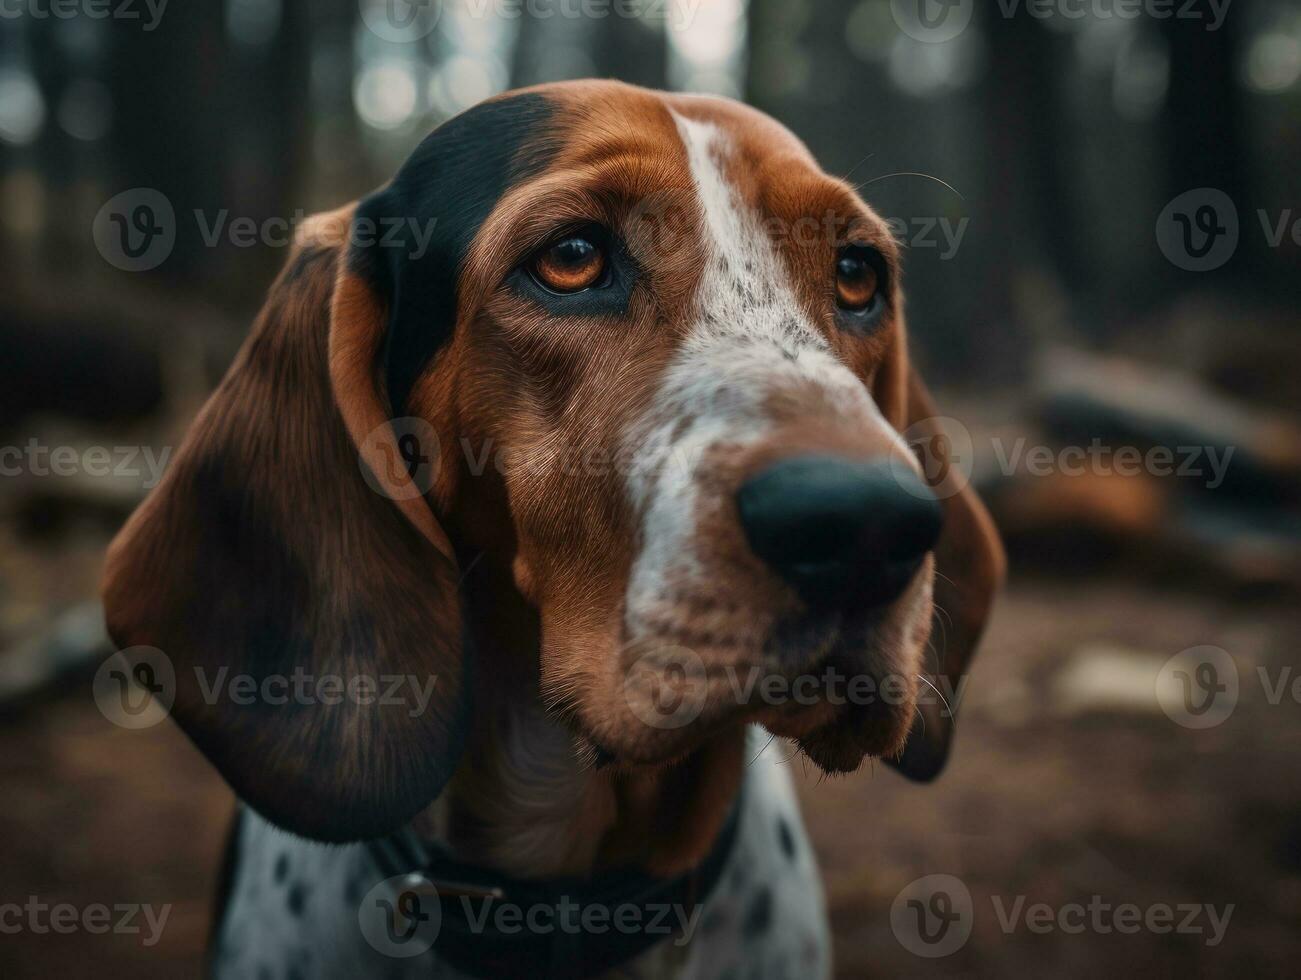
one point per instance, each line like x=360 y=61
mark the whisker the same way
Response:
x=771 y=739
x=939 y=574
x=910 y=173
x=846 y=177
x=953 y=717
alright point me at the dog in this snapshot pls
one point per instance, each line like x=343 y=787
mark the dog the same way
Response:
x=596 y=408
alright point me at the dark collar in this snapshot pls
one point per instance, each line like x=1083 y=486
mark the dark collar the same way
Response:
x=570 y=927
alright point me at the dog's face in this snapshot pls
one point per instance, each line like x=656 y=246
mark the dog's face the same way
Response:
x=676 y=322
x=663 y=356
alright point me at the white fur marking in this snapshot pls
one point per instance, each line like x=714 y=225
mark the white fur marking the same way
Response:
x=749 y=338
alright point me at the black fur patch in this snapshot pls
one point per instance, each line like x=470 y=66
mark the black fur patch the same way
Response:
x=297 y=900
x=786 y=837
x=758 y=917
x=448 y=187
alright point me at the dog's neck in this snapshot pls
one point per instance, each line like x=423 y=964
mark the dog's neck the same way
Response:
x=528 y=801
x=521 y=800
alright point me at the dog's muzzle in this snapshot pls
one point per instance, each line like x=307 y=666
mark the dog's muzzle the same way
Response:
x=839 y=530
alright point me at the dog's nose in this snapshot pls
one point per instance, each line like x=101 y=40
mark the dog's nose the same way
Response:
x=840 y=530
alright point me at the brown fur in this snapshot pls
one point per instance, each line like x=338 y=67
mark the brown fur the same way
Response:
x=303 y=549
x=262 y=550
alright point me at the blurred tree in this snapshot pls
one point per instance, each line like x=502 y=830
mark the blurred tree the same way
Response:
x=632 y=50
x=1206 y=141
x=171 y=134
x=1028 y=151
x=219 y=124
x=561 y=47
x=269 y=140
x=1203 y=121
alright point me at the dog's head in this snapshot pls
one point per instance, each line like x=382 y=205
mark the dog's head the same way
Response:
x=642 y=357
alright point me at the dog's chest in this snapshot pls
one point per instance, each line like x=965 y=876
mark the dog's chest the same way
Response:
x=295 y=908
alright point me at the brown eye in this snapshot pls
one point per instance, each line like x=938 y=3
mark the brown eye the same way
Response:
x=856 y=281
x=572 y=264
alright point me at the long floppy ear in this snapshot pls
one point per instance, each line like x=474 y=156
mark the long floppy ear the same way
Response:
x=265 y=554
x=969 y=566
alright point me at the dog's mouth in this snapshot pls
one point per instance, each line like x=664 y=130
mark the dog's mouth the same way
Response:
x=842 y=687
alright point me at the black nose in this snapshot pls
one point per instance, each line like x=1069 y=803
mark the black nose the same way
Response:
x=840 y=530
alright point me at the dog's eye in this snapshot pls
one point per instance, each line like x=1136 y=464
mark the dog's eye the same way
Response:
x=569 y=265
x=857 y=281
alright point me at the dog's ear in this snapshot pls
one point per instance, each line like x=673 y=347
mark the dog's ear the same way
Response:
x=969 y=565
x=291 y=598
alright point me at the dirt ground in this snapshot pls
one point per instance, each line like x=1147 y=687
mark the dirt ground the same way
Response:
x=1055 y=794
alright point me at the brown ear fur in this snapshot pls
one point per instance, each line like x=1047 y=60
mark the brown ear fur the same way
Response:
x=264 y=552
x=969 y=569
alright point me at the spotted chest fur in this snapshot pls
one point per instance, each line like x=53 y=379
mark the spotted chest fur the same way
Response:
x=293 y=905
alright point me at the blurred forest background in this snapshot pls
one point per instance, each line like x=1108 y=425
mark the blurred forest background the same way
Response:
x=1033 y=164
